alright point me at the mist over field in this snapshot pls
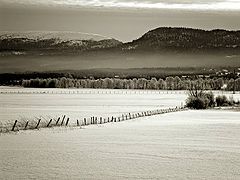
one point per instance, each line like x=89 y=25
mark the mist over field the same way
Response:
x=51 y=63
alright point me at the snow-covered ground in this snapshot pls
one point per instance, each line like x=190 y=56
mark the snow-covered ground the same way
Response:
x=27 y=103
x=30 y=103
x=181 y=145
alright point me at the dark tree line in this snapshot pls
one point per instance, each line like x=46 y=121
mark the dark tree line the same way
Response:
x=170 y=83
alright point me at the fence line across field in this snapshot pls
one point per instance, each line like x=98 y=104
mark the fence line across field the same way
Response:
x=104 y=91
x=64 y=121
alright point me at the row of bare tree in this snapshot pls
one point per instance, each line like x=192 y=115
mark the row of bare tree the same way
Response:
x=170 y=83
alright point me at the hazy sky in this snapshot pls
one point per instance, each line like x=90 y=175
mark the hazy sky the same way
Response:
x=121 y=19
x=162 y=4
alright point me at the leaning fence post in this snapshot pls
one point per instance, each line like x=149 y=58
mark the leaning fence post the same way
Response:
x=67 y=121
x=26 y=125
x=63 y=120
x=58 y=121
x=14 y=125
x=38 y=123
x=49 y=122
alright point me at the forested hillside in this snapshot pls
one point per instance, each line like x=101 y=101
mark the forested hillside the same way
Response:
x=186 y=40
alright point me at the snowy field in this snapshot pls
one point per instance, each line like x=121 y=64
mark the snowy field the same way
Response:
x=181 y=145
x=27 y=103
x=31 y=104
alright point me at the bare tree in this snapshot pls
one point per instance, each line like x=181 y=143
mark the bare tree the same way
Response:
x=196 y=89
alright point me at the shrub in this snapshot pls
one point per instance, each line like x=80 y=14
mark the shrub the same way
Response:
x=203 y=101
x=196 y=103
x=222 y=100
x=211 y=99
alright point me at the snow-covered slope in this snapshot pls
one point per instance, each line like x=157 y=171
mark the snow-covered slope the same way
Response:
x=63 y=35
x=52 y=42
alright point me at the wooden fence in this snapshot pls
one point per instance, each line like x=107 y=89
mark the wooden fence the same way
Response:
x=64 y=121
x=105 y=91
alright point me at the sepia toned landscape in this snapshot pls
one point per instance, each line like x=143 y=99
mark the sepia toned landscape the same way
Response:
x=117 y=89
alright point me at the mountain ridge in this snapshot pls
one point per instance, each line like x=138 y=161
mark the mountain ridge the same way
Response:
x=185 y=39
x=47 y=42
x=160 y=40
x=65 y=35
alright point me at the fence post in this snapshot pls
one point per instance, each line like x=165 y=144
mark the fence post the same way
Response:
x=26 y=125
x=38 y=123
x=14 y=125
x=85 y=121
x=58 y=121
x=67 y=121
x=63 y=120
x=77 y=122
x=49 y=122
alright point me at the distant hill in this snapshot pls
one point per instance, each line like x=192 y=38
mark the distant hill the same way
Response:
x=161 y=47
x=160 y=40
x=179 y=40
x=18 y=43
